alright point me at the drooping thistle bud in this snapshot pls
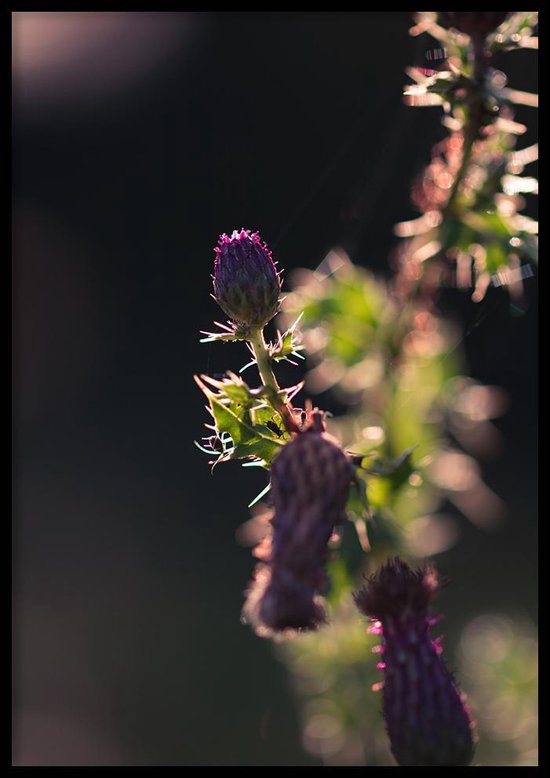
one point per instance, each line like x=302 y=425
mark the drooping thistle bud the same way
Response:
x=310 y=480
x=246 y=283
x=427 y=721
x=476 y=24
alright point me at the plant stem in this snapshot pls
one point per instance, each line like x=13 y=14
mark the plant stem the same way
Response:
x=469 y=135
x=480 y=62
x=267 y=375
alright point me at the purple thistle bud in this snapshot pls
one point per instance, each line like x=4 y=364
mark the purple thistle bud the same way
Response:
x=246 y=283
x=310 y=479
x=427 y=721
x=476 y=24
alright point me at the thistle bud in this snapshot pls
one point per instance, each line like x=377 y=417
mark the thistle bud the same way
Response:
x=246 y=283
x=427 y=721
x=310 y=479
x=476 y=24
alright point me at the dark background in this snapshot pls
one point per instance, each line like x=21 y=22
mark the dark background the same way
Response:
x=137 y=139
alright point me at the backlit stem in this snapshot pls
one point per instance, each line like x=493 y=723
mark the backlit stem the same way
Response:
x=267 y=375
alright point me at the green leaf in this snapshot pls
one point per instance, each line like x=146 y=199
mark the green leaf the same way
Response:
x=235 y=419
x=234 y=387
x=262 y=415
x=496 y=256
x=287 y=344
x=238 y=393
x=261 y=447
x=397 y=471
x=488 y=224
x=455 y=234
x=358 y=504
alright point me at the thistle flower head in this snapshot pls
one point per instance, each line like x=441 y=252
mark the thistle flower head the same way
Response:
x=427 y=721
x=246 y=283
x=310 y=479
x=398 y=592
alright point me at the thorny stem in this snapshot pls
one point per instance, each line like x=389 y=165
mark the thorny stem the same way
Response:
x=259 y=347
x=469 y=135
x=480 y=63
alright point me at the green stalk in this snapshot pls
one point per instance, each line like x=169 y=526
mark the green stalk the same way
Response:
x=479 y=63
x=259 y=346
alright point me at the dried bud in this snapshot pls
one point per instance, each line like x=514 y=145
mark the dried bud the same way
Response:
x=476 y=24
x=309 y=485
x=246 y=283
x=426 y=719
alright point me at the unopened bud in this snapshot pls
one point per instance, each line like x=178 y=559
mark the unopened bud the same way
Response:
x=246 y=283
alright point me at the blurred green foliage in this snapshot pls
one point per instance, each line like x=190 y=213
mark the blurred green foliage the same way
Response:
x=498 y=661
